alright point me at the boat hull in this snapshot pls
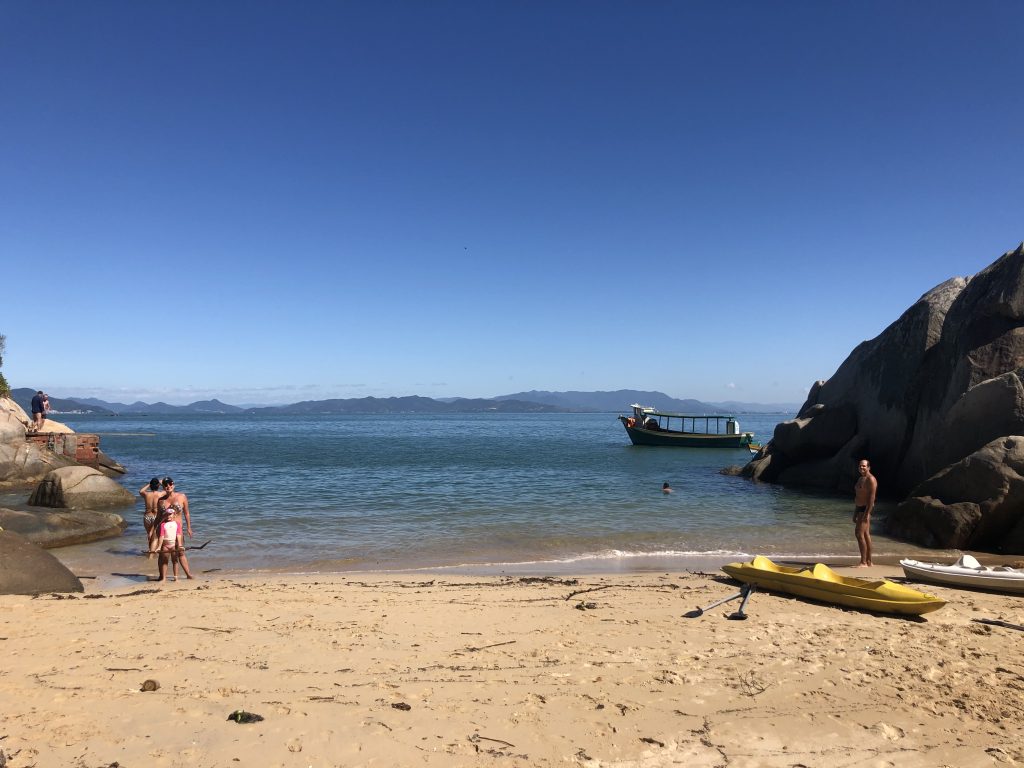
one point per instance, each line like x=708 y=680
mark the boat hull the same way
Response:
x=995 y=580
x=825 y=585
x=639 y=436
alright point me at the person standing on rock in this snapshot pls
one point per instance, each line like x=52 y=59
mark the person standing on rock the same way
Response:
x=864 y=500
x=40 y=404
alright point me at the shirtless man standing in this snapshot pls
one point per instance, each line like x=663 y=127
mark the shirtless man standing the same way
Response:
x=864 y=499
x=151 y=494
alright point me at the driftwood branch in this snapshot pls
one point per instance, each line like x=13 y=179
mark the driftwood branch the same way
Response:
x=477 y=737
x=473 y=648
x=211 y=629
x=583 y=591
x=1000 y=623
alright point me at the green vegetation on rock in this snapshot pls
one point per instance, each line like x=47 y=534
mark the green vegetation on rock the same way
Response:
x=5 y=389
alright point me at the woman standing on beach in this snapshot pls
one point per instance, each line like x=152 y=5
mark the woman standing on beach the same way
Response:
x=173 y=498
x=177 y=503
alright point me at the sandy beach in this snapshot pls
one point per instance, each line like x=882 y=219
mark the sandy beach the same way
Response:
x=385 y=670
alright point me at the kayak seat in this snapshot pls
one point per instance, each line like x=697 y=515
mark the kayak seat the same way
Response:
x=762 y=563
x=892 y=590
x=967 y=561
x=824 y=573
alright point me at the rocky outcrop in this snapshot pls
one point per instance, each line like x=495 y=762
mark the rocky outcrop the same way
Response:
x=26 y=569
x=62 y=527
x=22 y=463
x=79 y=488
x=76 y=496
x=975 y=503
x=935 y=387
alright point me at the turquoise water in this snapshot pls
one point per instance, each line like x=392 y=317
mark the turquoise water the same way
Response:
x=330 y=493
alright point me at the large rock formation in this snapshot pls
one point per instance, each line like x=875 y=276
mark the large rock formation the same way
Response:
x=62 y=527
x=25 y=569
x=75 y=492
x=941 y=383
x=22 y=463
x=79 y=488
x=976 y=503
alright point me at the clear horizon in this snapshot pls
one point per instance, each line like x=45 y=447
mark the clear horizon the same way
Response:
x=276 y=203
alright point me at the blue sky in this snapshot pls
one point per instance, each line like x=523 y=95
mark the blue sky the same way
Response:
x=272 y=202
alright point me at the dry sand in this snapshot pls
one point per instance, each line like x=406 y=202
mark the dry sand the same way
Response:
x=385 y=670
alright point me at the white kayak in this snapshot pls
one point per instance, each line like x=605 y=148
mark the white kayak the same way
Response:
x=967 y=572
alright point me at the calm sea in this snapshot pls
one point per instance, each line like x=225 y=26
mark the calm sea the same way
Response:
x=526 y=493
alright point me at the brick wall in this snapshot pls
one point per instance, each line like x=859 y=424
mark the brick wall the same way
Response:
x=83 y=448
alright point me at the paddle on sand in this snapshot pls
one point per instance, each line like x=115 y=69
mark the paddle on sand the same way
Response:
x=745 y=591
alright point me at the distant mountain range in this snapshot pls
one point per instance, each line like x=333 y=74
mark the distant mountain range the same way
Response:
x=412 y=404
x=96 y=407
x=200 y=406
x=620 y=400
x=522 y=402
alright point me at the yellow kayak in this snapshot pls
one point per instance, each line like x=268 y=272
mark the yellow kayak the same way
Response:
x=824 y=584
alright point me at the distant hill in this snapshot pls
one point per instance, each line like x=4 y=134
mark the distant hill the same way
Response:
x=522 y=402
x=139 y=407
x=737 y=407
x=411 y=404
x=620 y=400
x=24 y=395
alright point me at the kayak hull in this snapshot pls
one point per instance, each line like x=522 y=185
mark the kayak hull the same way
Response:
x=825 y=585
x=997 y=579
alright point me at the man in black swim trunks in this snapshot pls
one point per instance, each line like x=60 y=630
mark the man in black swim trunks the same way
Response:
x=864 y=499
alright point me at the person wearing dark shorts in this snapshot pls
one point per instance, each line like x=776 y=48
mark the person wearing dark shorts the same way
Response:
x=38 y=410
x=151 y=494
x=864 y=500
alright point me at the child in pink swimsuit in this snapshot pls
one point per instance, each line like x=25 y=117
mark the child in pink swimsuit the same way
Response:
x=170 y=547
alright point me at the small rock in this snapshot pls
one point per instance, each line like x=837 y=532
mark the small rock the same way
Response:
x=150 y=685
x=241 y=716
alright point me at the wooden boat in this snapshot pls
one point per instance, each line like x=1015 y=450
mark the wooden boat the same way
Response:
x=650 y=427
x=967 y=572
x=824 y=584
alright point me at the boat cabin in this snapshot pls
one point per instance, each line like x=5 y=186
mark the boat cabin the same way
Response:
x=648 y=418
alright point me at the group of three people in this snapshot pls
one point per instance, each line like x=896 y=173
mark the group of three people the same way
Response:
x=166 y=519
